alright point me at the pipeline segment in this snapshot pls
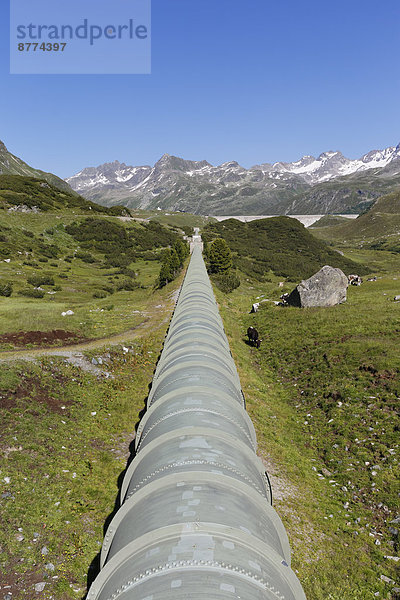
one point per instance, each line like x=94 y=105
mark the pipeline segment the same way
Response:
x=196 y=518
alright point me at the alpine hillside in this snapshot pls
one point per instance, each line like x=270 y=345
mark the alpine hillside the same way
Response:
x=12 y=165
x=330 y=183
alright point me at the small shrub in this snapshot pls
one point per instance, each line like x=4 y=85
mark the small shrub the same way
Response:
x=85 y=257
x=128 y=272
x=57 y=288
x=6 y=289
x=128 y=285
x=32 y=293
x=100 y=294
x=42 y=259
x=63 y=276
x=38 y=280
x=227 y=281
x=108 y=288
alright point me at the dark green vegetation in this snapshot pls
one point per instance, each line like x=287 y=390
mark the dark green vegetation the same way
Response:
x=58 y=262
x=120 y=244
x=172 y=261
x=323 y=394
x=218 y=257
x=18 y=192
x=280 y=245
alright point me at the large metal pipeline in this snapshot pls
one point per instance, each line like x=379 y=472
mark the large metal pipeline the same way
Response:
x=196 y=518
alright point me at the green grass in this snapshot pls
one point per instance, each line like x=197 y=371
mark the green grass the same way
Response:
x=322 y=392
x=64 y=442
x=122 y=254
x=310 y=361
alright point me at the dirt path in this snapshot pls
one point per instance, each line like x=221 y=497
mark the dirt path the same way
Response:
x=155 y=317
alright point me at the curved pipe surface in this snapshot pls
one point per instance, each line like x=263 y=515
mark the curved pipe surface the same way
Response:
x=196 y=518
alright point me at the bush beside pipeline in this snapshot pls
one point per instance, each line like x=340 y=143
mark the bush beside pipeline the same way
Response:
x=196 y=518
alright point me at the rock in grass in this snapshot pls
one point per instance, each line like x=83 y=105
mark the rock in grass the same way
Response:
x=386 y=579
x=328 y=287
x=39 y=587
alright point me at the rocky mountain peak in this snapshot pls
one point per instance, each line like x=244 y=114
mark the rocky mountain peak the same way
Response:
x=175 y=183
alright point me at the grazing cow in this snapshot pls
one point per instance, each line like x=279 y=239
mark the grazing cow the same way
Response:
x=255 y=307
x=254 y=340
x=355 y=280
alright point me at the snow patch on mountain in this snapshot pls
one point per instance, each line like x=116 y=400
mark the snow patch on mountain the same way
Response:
x=172 y=177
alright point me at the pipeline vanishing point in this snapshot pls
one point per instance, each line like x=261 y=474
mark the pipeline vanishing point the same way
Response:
x=196 y=519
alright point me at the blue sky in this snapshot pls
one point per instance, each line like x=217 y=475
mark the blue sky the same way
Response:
x=247 y=80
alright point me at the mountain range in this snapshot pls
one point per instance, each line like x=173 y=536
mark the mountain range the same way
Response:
x=330 y=183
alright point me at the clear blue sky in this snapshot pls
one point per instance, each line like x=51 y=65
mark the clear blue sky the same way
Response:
x=247 y=80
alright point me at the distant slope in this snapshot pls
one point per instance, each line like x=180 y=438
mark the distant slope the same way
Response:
x=17 y=192
x=12 y=165
x=380 y=223
x=278 y=244
x=329 y=221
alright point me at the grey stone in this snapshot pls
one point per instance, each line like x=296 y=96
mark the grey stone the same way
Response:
x=49 y=567
x=386 y=579
x=19 y=537
x=39 y=587
x=45 y=550
x=328 y=287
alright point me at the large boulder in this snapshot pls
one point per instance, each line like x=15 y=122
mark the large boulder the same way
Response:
x=326 y=288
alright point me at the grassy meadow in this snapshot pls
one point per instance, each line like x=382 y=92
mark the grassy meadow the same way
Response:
x=322 y=392
x=102 y=269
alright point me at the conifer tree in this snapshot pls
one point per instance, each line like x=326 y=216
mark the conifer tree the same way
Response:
x=220 y=256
